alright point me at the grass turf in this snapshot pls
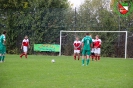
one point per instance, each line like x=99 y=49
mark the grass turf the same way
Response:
x=39 y=72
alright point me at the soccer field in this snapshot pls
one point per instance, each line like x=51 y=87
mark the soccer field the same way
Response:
x=39 y=72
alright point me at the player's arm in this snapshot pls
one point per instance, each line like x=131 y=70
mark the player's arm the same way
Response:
x=4 y=41
x=79 y=45
x=22 y=45
x=82 y=43
x=74 y=46
x=91 y=45
x=99 y=43
x=28 y=45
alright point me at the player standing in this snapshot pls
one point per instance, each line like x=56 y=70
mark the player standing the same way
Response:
x=2 y=46
x=77 y=48
x=97 y=46
x=86 y=48
x=93 y=49
x=25 y=45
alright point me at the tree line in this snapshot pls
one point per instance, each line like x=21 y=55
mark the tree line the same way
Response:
x=42 y=21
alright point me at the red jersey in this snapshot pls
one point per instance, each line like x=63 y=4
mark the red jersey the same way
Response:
x=97 y=43
x=77 y=44
x=25 y=42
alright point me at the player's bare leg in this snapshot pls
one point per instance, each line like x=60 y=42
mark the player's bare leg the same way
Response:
x=74 y=56
x=98 y=56
x=92 y=56
x=25 y=54
x=3 y=58
x=22 y=55
x=87 y=60
x=83 y=60
x=78 y=56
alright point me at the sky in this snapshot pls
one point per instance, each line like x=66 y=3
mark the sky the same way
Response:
x=76 y=3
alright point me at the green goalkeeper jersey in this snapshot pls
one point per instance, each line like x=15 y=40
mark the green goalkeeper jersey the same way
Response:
x=87 y=43
x=2 y=38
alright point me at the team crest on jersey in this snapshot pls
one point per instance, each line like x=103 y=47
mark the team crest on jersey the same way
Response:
x=123 y=8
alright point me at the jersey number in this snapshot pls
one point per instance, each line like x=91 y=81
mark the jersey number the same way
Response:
x=88 y=42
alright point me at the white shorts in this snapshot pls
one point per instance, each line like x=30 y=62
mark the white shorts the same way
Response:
x=77 y=51
x=97 y=51
x=92 y=50
x=25 y=48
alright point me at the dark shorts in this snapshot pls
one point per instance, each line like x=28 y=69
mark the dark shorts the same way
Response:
x=92 y=53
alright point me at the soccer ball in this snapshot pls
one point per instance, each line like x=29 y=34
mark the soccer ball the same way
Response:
x=53 y=61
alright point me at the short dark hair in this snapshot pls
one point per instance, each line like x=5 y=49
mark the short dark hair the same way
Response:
x=4 y=32
x=87 y=33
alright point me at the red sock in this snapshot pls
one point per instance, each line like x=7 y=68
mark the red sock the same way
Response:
x=25 y=55
x=78 y=57
x=92 y=57
x=95 y=57
x=75 y=57
x=22 y=54
x=98 y=57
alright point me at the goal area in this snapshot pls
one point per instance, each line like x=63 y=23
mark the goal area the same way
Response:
x=114 y=43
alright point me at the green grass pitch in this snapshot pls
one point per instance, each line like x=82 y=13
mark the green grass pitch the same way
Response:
x=39 y=72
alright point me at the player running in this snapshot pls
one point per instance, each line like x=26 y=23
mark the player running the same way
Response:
x=77 y=48
x=25 y=45
x=86 y=48
x=93 y=49
x=2 y=46
x=97 y=46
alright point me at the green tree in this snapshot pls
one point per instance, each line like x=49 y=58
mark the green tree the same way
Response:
x=37 y=18
x=95 y=17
